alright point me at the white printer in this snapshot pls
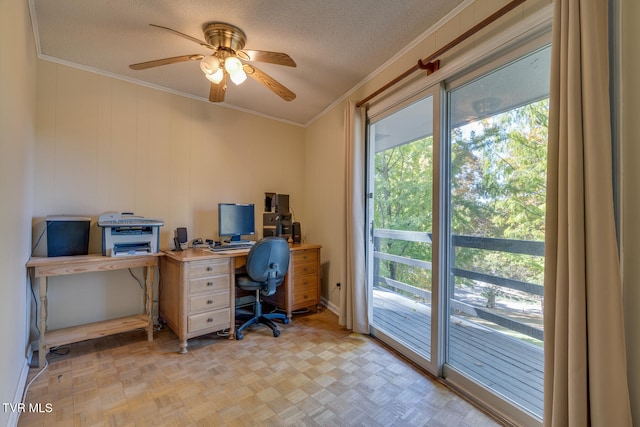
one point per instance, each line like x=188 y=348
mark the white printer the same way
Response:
x=126 y=234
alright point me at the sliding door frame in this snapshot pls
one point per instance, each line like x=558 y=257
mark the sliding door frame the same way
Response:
x=434 y=361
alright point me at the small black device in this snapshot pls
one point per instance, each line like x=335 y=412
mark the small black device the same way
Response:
x=180 y=239
x=269 y=202
x=282 y=203
x=296 y=232
x=285 y=225
x=181 y=234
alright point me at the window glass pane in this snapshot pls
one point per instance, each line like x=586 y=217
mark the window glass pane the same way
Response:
x=497 y=169
x=401 y=146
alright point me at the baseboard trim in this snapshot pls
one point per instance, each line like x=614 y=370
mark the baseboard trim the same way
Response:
x=332 y=307
x=19 y=391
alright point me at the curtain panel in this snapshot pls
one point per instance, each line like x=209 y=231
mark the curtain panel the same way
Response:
x=353 y=299
x=585 y=358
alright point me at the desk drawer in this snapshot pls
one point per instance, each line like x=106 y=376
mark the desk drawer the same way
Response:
x=304 y=268
x=208 y=267
x=210 y=284
x=213 y=320
x=304 y=256
x=305 y=291
x=208 y=302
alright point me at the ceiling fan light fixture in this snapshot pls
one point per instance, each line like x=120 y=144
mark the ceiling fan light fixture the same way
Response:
x=209 y=64
x=234 y=68
x=227 y=43
x=232 y=65
x=215 y=77
x=238 y=76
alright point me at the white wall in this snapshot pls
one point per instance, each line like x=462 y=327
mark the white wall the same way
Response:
x=104 y=144
x=17 y=112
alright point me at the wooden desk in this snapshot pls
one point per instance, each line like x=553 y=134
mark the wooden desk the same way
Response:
x=42 y=268
x=197 y=294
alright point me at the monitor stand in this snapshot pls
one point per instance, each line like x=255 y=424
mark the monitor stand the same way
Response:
x=236 y=240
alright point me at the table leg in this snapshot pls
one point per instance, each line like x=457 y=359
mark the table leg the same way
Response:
x=148 y=284
x=42 y=342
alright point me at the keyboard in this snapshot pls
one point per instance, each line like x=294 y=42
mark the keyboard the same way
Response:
x=224 y=248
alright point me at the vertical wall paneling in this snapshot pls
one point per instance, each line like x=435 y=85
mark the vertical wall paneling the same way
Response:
x=109 y=145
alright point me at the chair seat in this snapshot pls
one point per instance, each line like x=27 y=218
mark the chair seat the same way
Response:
x=245 y=282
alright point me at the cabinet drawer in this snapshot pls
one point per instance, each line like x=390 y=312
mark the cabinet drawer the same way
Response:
x=208 y=302
x=208 y=267
x=213 y=320
x=210 y=284
x=305 y=291
x=304 y=256
x=304 y=268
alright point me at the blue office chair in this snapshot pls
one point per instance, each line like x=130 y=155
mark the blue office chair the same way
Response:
x=267 y=264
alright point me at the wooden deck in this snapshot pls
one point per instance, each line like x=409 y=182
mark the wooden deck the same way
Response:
x=508 y=366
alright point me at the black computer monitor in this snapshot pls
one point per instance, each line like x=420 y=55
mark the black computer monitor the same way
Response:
x=236 y=220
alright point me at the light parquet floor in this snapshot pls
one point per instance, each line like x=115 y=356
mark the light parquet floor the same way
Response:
x=314 y=374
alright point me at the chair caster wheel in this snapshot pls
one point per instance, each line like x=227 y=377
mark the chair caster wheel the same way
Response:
x=285 y=321
x=276 y=333
x=239 y=336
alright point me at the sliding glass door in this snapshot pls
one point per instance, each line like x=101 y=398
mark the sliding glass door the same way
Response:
x=456 y=230
x=401 y=165
x=497 y=139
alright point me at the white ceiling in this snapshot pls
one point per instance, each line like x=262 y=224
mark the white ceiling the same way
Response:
x=335 y=43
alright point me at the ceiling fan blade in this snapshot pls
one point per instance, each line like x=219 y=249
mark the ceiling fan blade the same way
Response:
x=217 y=91
x=266 y=56
x=165 y=61
x=269 y=82
x=186 y=36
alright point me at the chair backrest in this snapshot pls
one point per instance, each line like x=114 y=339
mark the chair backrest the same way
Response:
x=268 y=262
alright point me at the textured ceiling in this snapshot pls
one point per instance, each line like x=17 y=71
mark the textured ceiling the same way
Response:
x=335 y=43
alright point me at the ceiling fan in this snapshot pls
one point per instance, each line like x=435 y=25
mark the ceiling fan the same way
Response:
x=227 y=43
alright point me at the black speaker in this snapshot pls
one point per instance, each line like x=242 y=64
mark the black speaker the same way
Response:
x=181 y=234
x=180 y=238
x=297 y=232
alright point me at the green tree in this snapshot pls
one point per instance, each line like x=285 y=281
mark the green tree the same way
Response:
x=498 y=187
x=403 y=201
x=498 y=172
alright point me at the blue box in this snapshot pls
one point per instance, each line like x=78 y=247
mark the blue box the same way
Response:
x=67 y=235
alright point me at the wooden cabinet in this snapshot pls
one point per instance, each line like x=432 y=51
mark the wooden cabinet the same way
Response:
x=301 y=287
x=196 y=294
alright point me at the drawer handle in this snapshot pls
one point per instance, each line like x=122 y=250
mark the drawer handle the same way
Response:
x=210 y=301
x=210 y=320
x=209 y=283
x=209 y=268
x=306 y=269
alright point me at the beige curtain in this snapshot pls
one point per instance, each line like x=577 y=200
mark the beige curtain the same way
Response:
x=353 y=296
x=585 y=358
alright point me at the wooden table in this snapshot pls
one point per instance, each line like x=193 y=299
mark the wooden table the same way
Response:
x=42 y=268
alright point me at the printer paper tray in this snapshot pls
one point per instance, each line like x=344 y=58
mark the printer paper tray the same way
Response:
x=131 y=249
